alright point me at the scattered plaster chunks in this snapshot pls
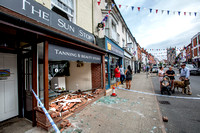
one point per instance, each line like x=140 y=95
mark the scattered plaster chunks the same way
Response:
x=71 y=105
x=53 y=115
x=165 y=119
x=65 y=113
x=59 y=109
x=69 y=124
x=58 y=114
x=65 y=123
x=72 y=109
x=66 y=120
x=52 y=109
x=52 y=105
x=61 y=130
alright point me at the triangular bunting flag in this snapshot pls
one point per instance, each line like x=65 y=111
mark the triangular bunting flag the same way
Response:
x=120 y=6
x=132 y=7
x=179 y=13
x=156 y=10
x=195 y=14
x=190 y=13
x=138 y=8
x=162 y=11
x=184 y=13
x=113 y=5
x=98 y=2
x=150 y=10
x=168 y=12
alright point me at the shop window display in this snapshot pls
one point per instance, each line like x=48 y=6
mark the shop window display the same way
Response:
x=68 y=76
x=113 y=62
x=58 y=72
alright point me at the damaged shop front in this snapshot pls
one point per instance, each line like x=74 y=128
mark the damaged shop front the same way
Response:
x=42 y=51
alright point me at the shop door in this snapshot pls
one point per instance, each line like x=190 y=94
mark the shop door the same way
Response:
x=8 y=86
x=27 y=85
x=107 y=73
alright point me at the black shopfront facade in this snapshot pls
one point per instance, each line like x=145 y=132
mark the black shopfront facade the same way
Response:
x=48 y=52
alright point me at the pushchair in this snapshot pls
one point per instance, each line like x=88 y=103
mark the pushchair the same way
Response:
x=166 y=85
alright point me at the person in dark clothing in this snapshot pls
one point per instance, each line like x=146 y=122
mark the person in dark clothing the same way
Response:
x=128 y=74
x=170 y=73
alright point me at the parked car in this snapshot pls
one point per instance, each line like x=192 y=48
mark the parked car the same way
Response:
x=155 y=69
x=193 y=69
x=175 y=65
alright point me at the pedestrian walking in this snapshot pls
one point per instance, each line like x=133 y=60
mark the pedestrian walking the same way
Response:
x=144 y=68
x=151 y=68
x=161 y=74
x=147 y=69
x=128 y=74
x=170 y=73
x=185 y=76
x=122 y=76
x=117 y=75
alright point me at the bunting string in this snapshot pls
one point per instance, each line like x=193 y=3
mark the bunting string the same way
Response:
x=107 y=15
x=168 y=12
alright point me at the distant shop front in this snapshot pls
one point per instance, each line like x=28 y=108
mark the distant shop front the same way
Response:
x=114 y=57
x=128 y=60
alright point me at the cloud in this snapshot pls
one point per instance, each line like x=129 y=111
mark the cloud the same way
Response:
x=153 y=30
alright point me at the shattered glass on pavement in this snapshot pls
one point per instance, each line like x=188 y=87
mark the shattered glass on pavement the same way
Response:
x=111 y=100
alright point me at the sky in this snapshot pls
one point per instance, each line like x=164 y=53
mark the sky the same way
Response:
x=160 y=31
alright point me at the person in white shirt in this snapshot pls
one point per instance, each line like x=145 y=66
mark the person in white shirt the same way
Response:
x=122 y=76
x=161 y=74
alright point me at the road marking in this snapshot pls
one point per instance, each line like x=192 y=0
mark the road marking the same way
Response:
x=147 y=93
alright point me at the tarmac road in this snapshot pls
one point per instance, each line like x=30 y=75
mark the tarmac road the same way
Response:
x=183 y=114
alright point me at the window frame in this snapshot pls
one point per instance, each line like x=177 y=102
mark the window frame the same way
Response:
x=72 y=14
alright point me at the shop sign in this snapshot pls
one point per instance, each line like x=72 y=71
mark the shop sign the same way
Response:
x=127 y=54
x=43 y=15
x=113 y=48
x=58 y=53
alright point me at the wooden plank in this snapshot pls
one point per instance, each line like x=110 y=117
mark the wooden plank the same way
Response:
x=46 y=72
x=103 y=73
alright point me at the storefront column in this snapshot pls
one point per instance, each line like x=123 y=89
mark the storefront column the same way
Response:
x=34 y=83
x=46 y=72
x=103 y=70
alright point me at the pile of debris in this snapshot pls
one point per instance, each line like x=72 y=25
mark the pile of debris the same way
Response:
x=63 y=106
x=64 y=124
x=66 y=104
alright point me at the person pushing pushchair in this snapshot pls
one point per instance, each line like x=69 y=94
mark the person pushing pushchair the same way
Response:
x=165 y=85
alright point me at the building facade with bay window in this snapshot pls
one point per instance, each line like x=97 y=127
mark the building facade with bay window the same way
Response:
x=44 y=51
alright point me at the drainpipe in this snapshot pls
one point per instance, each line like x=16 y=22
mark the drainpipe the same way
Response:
x=93 y=20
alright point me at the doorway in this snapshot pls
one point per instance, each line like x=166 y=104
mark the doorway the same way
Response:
x=27 y=82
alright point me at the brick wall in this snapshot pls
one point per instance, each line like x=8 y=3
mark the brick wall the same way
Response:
x=195 y=42
x=96 y=75
x=199 y=39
